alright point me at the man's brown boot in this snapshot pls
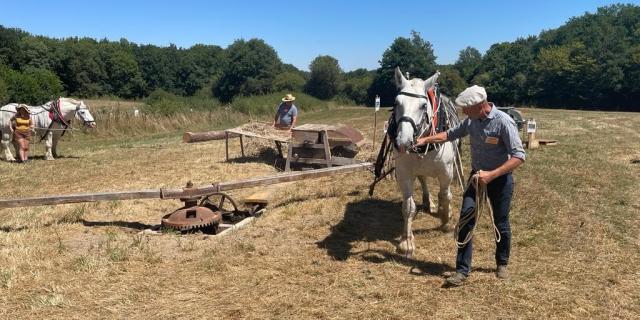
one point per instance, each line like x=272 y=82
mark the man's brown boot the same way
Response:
x=502 y=272
x=456 y=280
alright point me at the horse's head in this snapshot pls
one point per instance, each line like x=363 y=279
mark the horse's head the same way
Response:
x=70 y=107
x=83 y=114
x=413 y=110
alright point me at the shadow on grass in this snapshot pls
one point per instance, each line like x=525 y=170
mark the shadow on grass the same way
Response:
x=372 y=220
x=266 y=155
x=41 y=157
x=119 y=223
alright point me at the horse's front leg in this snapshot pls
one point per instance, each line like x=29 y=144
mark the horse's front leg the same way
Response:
x=6 y=140
x=406 y=247
x=427 y=204
x=49 y=143
x=444 y=198
x=54 y=147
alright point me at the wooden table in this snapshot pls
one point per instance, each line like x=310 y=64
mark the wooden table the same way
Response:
x=241 y=133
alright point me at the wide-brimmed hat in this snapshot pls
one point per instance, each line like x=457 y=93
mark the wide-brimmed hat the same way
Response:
x=288 y=97
x=22 y=106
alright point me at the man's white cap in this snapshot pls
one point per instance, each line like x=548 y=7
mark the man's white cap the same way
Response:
x=471 y=96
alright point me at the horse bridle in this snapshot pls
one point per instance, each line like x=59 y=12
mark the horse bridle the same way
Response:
x=407 y=118
x=84 y=122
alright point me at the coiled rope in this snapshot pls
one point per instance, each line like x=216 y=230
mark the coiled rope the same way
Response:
x=482 y=201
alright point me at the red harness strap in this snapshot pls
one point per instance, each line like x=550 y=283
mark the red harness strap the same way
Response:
x=52 y=112
x=432 y=98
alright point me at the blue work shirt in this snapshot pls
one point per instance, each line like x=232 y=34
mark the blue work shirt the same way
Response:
x=494 y=139
x=285 y=116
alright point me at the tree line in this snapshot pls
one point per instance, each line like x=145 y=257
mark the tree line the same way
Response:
x=591 y=62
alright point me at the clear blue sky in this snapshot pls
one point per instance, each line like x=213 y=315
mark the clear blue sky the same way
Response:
x=355 y=32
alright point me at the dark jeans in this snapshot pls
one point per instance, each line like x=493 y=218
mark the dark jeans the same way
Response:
x=500 y=191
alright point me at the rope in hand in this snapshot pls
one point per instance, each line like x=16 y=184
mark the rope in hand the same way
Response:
x=482 y=199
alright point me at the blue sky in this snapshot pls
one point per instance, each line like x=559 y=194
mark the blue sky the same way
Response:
x=355 y=32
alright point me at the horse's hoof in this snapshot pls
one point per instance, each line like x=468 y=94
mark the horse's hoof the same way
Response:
x=444 y=216
x=49 y=158
x=404 y=250
x=405 y=254
x=446 y=228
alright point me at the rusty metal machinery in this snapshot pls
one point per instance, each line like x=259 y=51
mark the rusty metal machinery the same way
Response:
x=205 y=213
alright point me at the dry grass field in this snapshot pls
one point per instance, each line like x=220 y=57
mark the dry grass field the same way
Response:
x=324 y=249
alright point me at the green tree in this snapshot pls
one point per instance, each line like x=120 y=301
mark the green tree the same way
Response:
x=34 y=52
x=33 y=86
x=610 y=37
x=200 y=66
x=414 y=55
x=81 y=68
x=468 y=62
x=356 y=84
x=251 y=68
x=159 y=67
x=4 y=87
x=450 y=81
x=325 y=80
x=289 y=81
x=124 y=78
x=505 y=71
x=9 y=44
x=564 y=75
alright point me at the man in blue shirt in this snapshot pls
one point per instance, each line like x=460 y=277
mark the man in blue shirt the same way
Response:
x=287 y=113
x=496 y=150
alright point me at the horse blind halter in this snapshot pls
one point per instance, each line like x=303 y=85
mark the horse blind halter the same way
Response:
x=394 y=125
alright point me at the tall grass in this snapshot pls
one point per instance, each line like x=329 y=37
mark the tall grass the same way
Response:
x=165 y=112
x=123 y=122
x=267 y=104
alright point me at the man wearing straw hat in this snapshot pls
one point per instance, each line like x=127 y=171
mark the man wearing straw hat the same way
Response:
x=496 y=150
x=287 y=113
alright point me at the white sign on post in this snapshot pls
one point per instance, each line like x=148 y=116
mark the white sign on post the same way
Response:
x=377 y=103
x=531 y=126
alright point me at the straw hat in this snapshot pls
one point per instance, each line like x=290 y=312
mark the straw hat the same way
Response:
x=22 y=106
x=288 y=97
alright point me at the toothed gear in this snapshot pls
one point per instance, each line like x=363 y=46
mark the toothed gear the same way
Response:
x=192 y=218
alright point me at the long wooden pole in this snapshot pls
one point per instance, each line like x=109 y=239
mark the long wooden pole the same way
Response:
x=182 y=193
x=375 y=124
x=191 y=137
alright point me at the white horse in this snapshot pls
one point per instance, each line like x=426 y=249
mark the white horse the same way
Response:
x=413 y=115
x=50 y=120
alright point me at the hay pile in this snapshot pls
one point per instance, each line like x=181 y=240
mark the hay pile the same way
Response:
x=263 y=130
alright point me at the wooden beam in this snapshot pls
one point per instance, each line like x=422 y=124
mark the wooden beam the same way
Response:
x=81 y=197
x=183 y=193
x=327 y=150
x=191 y=137
x=226 y=145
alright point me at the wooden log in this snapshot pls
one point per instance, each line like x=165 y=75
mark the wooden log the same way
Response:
x=191 y=137
x=182 y=193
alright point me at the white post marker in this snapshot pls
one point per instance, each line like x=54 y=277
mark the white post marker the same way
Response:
x=375 y=120
x=532 y=142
